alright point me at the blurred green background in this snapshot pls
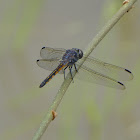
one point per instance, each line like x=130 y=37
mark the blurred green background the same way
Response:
x=87 y=111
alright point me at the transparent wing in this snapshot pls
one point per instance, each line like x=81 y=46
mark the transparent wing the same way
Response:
x=49 y=64
x=52 y=53
x=92 y=76
x=107 y=69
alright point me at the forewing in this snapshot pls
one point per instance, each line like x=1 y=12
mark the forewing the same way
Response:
x=52 y=53
x=49 y=64
x=89 y=75
x=107 y=69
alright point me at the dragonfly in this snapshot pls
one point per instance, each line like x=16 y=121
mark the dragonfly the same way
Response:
x=93 y=70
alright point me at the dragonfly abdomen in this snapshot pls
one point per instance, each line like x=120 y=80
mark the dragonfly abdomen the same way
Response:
x=59 y=68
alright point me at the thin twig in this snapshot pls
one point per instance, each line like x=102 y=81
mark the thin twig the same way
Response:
x=49 y=116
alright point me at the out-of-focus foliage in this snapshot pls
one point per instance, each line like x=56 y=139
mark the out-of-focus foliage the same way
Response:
x=88 y=111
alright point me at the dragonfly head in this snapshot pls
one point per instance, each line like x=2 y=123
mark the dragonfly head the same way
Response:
x=79 y=52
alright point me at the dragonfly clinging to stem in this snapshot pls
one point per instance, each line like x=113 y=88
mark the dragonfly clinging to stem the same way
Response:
x=93 y=70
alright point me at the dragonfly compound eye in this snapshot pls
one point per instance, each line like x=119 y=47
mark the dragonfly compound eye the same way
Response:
x=80 y=54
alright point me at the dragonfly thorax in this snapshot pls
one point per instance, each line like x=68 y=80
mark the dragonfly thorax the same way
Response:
x=71 y=56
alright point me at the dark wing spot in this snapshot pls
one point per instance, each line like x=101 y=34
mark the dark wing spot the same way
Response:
x=121 y=83
x=128 y=70
x=43 y=47
x=37 y=60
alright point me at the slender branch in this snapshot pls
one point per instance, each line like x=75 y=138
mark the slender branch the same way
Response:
x=49 y=116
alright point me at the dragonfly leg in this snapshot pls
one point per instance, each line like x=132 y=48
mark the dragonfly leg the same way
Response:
x=75 y=68
x=70 y=68
x=64 y=72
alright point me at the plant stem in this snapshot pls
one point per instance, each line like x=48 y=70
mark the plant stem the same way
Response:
x=49 y=116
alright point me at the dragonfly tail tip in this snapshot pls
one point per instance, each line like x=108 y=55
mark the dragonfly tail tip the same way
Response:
x=41 y=86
